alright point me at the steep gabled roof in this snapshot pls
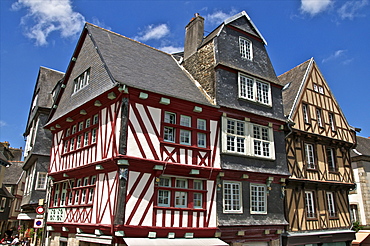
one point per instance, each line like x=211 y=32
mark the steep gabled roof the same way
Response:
x=143 y=67
x=293 y=81
x=241 y=15
x=129 y=63
x=14 y=173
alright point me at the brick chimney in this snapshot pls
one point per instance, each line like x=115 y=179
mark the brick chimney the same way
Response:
x=194 y=32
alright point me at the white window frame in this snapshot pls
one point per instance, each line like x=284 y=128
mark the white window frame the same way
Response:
x=305 y=113
x=332 y=121
x=238 y=138
x=258 y=202
x=319 y=117
x=254 y=90
x=310 y=155
x=245 y=48
x=41 y=185
x=261 y=138
x=232 y=197
x=63 y=195
x=331 y=204
x=185 y=120
x=169 y=117
x=201 y=124
x=81 y=81
x=332 y=165
x=310 y=205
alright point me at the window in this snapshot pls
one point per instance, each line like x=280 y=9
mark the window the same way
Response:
x=185 y=135
x=310 y=204
x=63 y=195
x=261 y=141
x=2 y=204
x=254 y=90
x=319 y=119
x=258 y=199
x=315 y=88
x=182 y=192
x=164 y=195
x=232 y=197
x=245 y=46
x=41 y=181
x=354 y=213
x=86 y=137
x=183 y=131
x=201 y=125
x=331 y=204
x=330 y=154
x=332 y=122
x=305 y=113
x=310 y=157
x=81 y=81
x=246 y=138
x=71 y=193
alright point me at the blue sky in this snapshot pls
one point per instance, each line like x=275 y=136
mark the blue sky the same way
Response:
x=44 y=33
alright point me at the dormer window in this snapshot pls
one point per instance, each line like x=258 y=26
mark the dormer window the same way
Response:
x=245 y=46
x=254 y=90
x=81 y=81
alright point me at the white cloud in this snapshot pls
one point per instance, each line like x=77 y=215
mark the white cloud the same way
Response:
x=46 y=16
x=2 y=123
x=350 y=9
x=153 y=32
x=336 y=55
x=218 y=16
x=314 y=7
x=171 y=49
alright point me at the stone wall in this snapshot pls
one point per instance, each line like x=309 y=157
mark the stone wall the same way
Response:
x=201 y=67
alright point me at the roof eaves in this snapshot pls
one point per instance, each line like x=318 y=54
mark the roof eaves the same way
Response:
x=300 y=89
x=241 y=14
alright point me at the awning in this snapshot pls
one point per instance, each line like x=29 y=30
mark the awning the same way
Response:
x=26 y=216
x=175 y=242
x=360 y=237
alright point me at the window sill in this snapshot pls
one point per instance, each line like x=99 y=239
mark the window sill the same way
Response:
x=73 y=206
x=79 y=149
x=312 y=219
x=184 y=146
x=183 y=209
x=249 y=156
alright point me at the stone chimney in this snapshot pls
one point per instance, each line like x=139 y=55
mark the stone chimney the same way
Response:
x=193 y=35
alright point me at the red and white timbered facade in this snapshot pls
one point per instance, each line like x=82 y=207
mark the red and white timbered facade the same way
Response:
x=160 y=155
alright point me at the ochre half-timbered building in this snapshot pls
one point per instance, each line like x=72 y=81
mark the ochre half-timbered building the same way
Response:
x=135 y=150
x=318 y=145
x=232 y=65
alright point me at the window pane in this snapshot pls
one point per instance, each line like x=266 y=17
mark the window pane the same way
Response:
x=170 y=118
x=198 y=200
x=169 y=134
x=185 y=120
x=181 y=199
x=258 y=198
x=201 y=124
x=232 y=197
x=185 y=137
x=201 y=140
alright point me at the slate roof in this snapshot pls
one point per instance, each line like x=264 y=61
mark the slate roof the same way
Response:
x=13 y=173
x=296 y=78
x=362 y=148
x=143 y=67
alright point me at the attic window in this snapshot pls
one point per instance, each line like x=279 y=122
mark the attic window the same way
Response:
x=287 y=86
x=81 y=81
x=245 y=46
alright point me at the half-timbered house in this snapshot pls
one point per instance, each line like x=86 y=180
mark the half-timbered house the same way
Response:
x=318 y=145
x=37 y=149
x=134 y=156
x=233 y=66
